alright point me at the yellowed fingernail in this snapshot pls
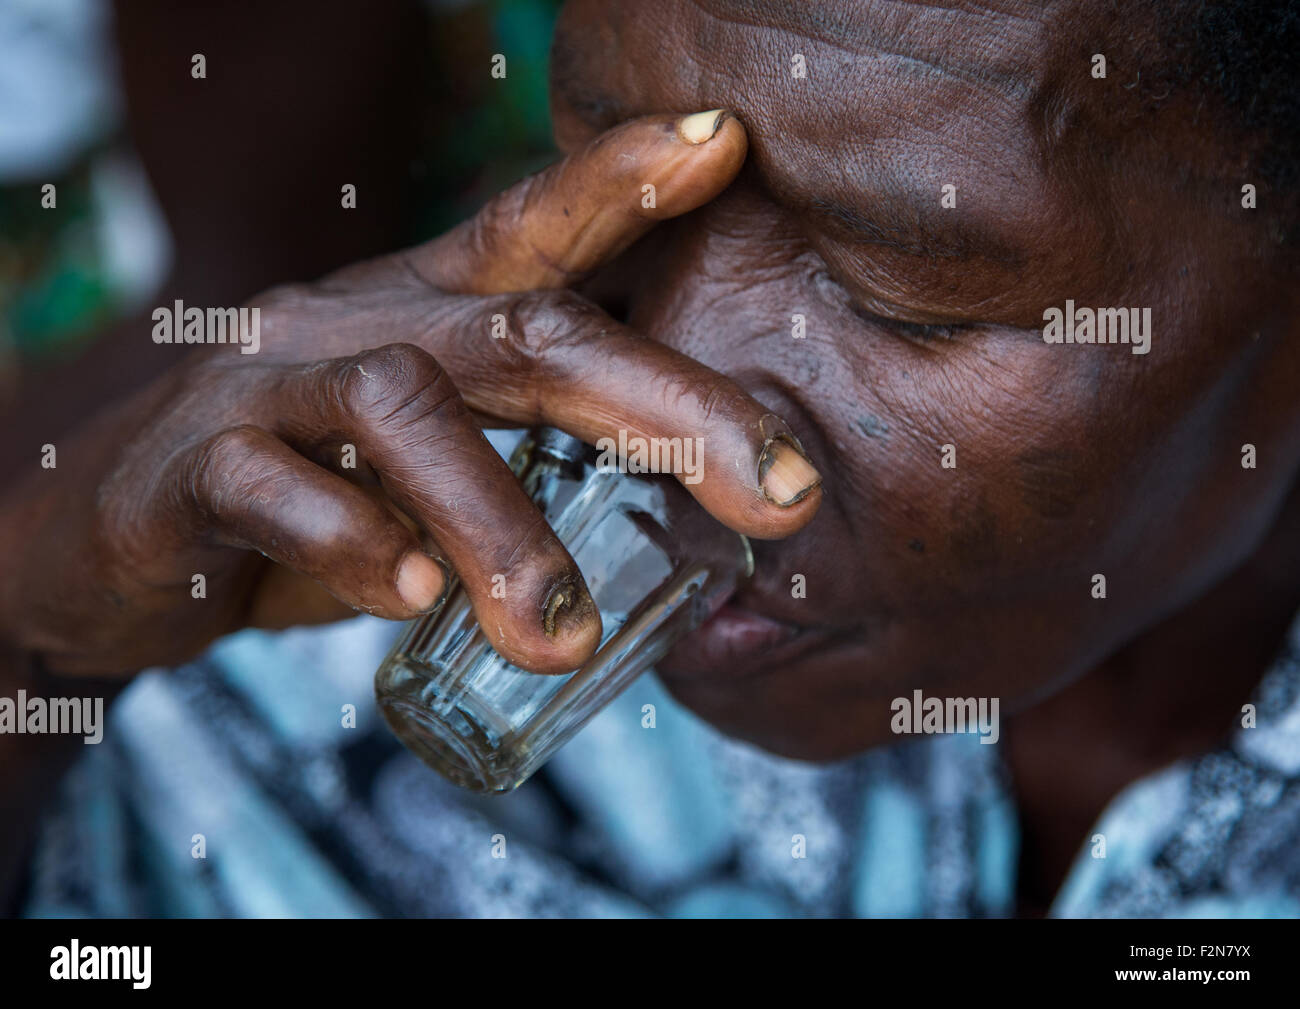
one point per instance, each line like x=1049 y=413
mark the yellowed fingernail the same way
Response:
x=701 y=126
x=420 y=581
x=786 y=476
x=568 y=603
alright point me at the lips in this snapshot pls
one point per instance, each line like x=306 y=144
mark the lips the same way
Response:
x=736 y=642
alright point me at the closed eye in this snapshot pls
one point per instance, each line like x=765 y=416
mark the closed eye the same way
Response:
x=916 y=332
x=920 y=333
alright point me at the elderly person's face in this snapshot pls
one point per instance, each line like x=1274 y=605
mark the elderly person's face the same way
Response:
x=924 y=329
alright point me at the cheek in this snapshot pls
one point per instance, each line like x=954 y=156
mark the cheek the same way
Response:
x=945 y=465
x=991 y=459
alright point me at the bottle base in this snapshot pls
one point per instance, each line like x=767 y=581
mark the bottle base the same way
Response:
x=437 y=742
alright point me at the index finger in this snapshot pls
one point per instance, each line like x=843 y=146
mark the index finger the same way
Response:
x=561 y=361
x=552 y=228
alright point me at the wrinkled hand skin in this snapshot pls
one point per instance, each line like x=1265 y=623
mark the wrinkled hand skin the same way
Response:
x=232 y=462
x=924 y=328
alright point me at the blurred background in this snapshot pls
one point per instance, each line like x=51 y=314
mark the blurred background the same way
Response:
x=210 y=190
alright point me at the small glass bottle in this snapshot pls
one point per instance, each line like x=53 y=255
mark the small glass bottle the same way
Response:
x=657 y=566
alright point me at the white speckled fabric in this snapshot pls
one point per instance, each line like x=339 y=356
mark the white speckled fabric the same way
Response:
x=301 y=816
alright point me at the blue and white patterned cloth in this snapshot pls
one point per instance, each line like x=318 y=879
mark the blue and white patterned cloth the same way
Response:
x=304 y=817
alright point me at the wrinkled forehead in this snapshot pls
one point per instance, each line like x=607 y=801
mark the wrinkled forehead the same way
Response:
x=849 y=74
x=860 y=111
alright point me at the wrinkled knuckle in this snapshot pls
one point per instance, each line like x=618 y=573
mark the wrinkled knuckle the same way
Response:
x=230 y=450
x=223 y=467
x=397 y=384
x=540 y=323
x=373 y=381
x=499 y=216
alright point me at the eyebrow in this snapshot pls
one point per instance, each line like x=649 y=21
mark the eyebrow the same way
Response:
x=908 y=224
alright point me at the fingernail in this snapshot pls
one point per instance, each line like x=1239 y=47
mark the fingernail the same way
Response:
x=567 y=602
x=701 y=126
x=420 y=582
x=785 y=475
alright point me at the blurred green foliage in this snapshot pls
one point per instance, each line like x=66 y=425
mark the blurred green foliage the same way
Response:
x=488 y=132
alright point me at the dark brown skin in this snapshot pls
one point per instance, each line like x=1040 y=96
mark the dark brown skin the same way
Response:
x=924 y=329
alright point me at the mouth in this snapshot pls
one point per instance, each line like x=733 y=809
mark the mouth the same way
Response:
x=735 y=643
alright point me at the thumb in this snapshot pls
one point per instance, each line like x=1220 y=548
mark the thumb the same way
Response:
x=558 y=225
